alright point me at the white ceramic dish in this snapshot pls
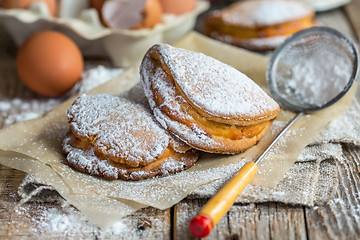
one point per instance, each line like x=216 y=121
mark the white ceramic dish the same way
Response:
x=123 y=47
x=325 y=5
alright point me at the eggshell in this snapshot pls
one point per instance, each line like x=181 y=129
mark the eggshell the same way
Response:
x=134 y=14
x=177 y=7
x=9 y=4
x=49 y=63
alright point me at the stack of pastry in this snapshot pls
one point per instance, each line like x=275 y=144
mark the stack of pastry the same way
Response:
x=194 y=102
x=258 y=24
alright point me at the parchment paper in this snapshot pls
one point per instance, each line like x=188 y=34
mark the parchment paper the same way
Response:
x=35 y=147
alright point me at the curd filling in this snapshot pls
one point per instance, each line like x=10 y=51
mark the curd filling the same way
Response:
x=282 y=29
x=213 y=128
x=87 y=145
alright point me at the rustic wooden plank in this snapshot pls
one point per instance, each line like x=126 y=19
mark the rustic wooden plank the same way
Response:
x=287 y=222
x=9 y=179
x=149 y=223
x=56 y=221
x=352 y=11
x=242 y=221
x=60 y=220
x=248 y=221
x=340 y=217
x=40 y=221
x=185 y=211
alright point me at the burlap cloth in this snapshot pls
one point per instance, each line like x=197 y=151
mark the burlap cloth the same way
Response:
x=301 y=169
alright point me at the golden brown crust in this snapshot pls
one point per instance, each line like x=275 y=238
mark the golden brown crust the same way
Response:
x=102 y=167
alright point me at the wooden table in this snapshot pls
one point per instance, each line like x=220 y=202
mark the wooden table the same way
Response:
x=338 y=219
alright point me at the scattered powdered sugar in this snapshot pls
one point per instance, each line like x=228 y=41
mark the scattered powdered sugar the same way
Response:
x=95 y=76
x=19 y=109
x=53 y=219
x=264 y=13
x=64 y=220
x=323 y=151
x=346 y=128
x=342 y=208
x=29 y=107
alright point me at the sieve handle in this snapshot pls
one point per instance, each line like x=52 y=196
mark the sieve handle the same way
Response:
x=279 y=136
x=201 y=225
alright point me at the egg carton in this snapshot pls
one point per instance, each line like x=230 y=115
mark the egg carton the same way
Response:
x=83 y=26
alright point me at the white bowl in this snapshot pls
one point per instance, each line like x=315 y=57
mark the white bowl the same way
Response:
x=123 y=47
x=325 y=5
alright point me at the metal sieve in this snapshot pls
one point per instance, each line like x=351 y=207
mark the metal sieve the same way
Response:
x=327 y=61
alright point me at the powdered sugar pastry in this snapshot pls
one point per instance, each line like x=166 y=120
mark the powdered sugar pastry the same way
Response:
x=207 y=104
x=117 y=138
x=215 y=86
x=265 y=13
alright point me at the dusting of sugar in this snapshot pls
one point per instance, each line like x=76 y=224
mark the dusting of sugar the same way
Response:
x=215 y=87
x=18 y=110
x=65 y=220
x=96 y=76
x=264 y=13
x=55 y=220
x=323 y=151
x=318 y=79
x=346 y=128
x=21 y=109
x=341 y=208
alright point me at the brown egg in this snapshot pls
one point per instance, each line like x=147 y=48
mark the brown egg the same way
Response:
x=134 y=14
x=177 y=7
x=49 y=63
x=152 y=15
x=9 y=4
